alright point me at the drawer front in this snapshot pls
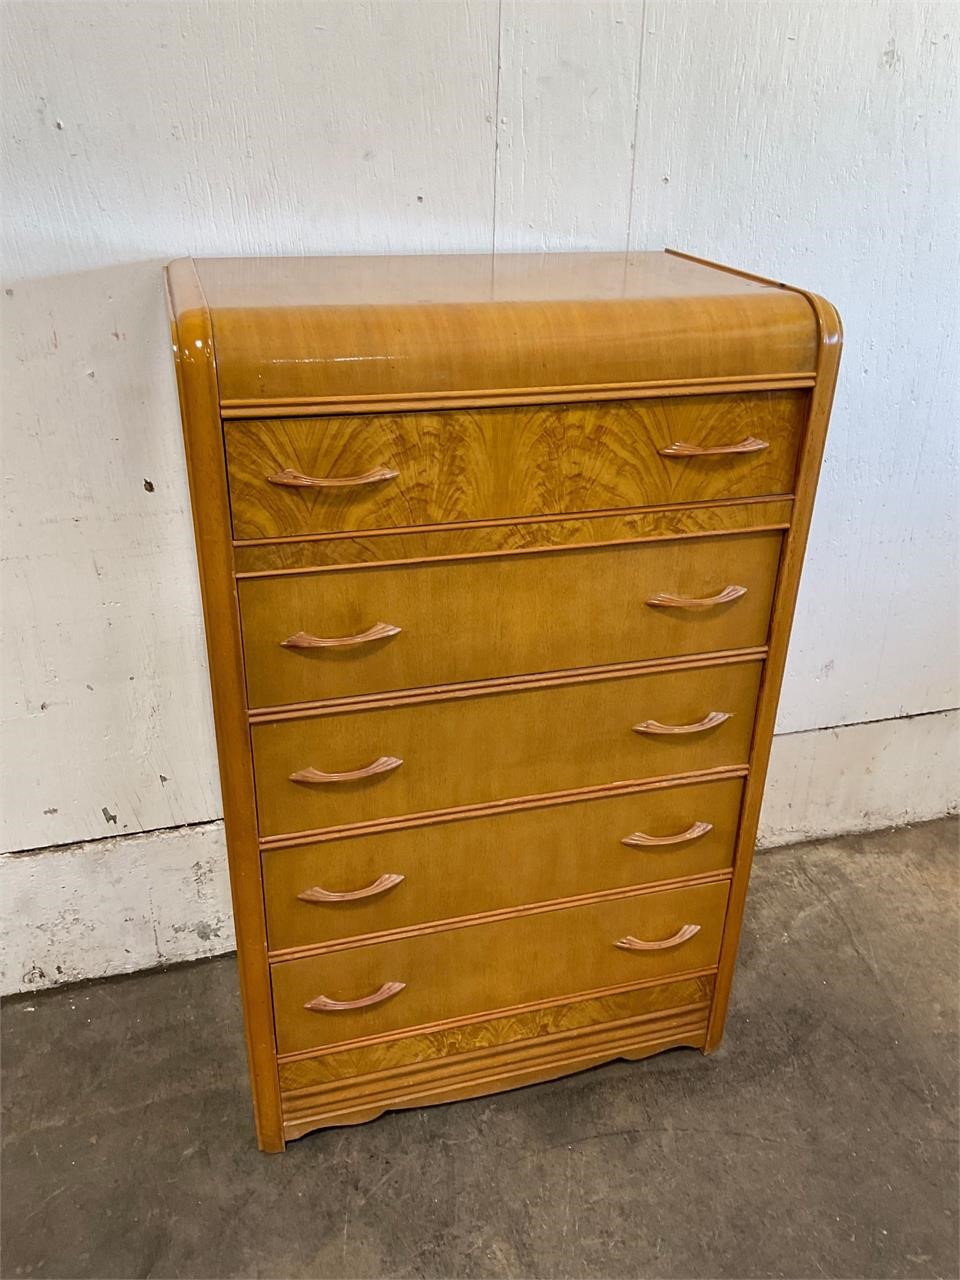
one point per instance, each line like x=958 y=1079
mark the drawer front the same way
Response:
x=496 y=965
x=478 y=619
x=334 y=1074
x=319 y=893
x=399 y=469
x=472 y=750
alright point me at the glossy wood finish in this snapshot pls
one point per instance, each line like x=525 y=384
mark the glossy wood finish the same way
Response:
x=487 y=324
x=499 y=861
x=830 y=339
x=487 y=464
x=499 y=963
x=536 y=1042
x=608 y=411
x=527 y=742
x=470 y=1035
x=195 y=359
x=519 y=537
x=487 y=618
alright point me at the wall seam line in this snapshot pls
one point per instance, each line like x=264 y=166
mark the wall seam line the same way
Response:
x=636 y=124
x=496 y=138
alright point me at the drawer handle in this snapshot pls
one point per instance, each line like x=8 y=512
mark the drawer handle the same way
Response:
x=296 y=480
x=316 y=894
x=683 y=934
x=383 y=764
x=709 y=721
x=638 y=840
x=379 y=631
x=664 y=600
x=323 y=1004
x=680 y=450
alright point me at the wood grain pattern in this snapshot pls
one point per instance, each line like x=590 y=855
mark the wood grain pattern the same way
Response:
x=683 y=449
x=195 y=359
x=320 y=406
x=522 y=537
x=496 y=463
x=494 y=1073
x=347 y=1085
x=504 y=457
x=290 y=479
x=468 y=323
x=509 y=684
x=499 y=964
x=545 y=1020
x=830 y=334
x=497 y=861
x=505 y=744
x=481 y=619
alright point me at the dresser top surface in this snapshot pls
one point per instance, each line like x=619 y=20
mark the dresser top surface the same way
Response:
x=359 y=328
x=438 y=279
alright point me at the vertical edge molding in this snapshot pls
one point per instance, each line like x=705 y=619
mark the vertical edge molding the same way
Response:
x=195 y=361
x=830 y=341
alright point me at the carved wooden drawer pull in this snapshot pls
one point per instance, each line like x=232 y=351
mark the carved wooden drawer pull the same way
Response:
x=635 y=944
x=664 y=600
x=383 y=764
x=323 y=1004
x=640 y=841
x=379 y=631
x=316 y=894
x=709 y=721
x=680 y=450
x=296 y=480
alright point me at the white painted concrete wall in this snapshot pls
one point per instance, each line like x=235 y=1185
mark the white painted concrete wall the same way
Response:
x=815 y=142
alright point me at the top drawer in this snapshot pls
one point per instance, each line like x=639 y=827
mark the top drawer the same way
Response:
x=295 y=476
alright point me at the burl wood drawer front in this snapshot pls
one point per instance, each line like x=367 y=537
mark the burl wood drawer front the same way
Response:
x=472 y=750
x=293 y=476
x=335 y=1078
x=343 y=632
x=495 y=965
x=396 y=879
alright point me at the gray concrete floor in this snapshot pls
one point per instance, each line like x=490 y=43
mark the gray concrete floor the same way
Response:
x=821 y=1140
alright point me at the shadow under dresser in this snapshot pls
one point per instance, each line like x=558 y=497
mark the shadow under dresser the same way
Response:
x=499 y=558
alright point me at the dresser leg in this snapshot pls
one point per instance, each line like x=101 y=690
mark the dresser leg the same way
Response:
x=271 y=1142
x=715 y=1027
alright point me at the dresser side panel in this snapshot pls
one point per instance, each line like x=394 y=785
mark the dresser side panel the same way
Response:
x=830 y=341
x=195 y=360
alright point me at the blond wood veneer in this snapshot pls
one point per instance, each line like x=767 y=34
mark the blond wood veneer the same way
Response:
x=498 y=558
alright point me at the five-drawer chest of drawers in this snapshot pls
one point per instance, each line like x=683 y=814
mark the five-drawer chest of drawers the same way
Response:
x=499 y=558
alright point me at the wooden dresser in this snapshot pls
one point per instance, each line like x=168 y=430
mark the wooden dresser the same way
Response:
x=499 y=558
